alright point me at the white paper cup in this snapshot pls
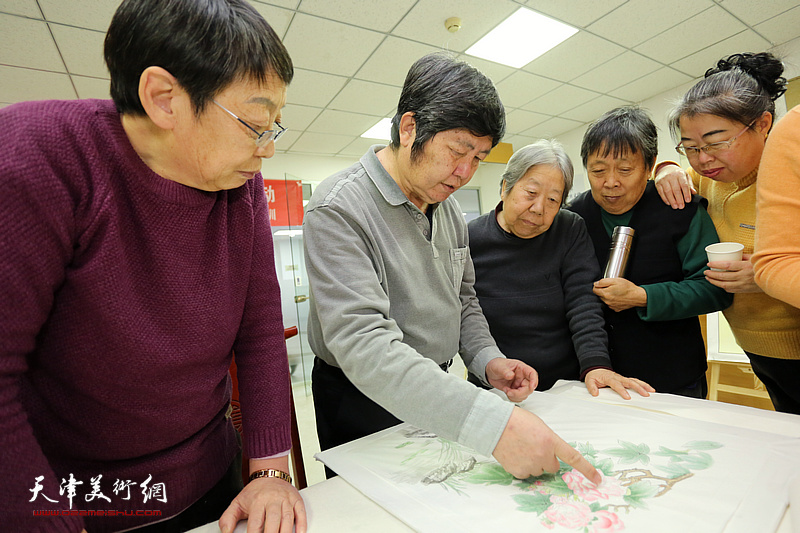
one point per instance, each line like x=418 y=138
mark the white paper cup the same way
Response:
x=724 y=251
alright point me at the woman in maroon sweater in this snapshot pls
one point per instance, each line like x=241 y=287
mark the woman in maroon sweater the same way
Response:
x=137 y=256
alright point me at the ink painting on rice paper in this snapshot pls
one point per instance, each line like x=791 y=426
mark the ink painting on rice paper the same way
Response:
x=660 y=473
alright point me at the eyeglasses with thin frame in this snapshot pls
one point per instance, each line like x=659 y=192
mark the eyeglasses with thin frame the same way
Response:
x=711 y=148
x=261 y=138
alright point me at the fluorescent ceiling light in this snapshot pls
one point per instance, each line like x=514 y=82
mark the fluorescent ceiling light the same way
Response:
x=381 y=130
x=521 y=38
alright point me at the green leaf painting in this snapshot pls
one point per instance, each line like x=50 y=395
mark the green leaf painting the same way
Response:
x=633 y=474
x=532 y=503
x=629 y=453
x=490 y=474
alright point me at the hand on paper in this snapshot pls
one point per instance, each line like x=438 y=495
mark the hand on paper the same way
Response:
x=602 y=377
x=738 y=275
x=620 y=294
x=528 y=447
x=270 y=505
x=674 y=186
x=516 y=379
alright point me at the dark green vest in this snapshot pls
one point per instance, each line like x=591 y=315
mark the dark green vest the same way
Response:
x=669 y=355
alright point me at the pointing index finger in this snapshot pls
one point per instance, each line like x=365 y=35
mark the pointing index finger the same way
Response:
x=573 y=458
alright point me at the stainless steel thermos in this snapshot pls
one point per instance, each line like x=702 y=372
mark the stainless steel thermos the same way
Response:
x=621 y=241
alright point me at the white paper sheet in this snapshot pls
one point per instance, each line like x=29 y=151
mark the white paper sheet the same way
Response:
x=663 y=473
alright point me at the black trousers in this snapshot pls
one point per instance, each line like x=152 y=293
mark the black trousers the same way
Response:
x=343 y=412
x=698 y=389
x=781 y=377
x=207 y=509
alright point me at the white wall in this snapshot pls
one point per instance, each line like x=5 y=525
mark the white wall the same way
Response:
x=487 y=180
x=309 y=168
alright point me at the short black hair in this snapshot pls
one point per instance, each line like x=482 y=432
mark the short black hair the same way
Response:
x=205 y=44
x=446 y=94
x=624 y=129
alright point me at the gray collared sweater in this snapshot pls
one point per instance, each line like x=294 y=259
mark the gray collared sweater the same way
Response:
x=392 y=298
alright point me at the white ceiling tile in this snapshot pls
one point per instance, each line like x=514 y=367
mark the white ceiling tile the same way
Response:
x=313 y=88
x=494 y=71
x=752 y=12
x=691 y=35
x=518 y=141
x=321 y=143
x=518 y=120
x=576 y=12
x=380 y=16
x=391 y=61
x=288 y=4
x=286 y=141
x=28 y=43
x=92 y=87
x=333 y=42
x=552 y=128
x=591 y=110
x=359 y=147
x=425 y=22
x=522 y=87
x=82 y=50
x=298 y=117
x=782 y=28
x=278 y=18
x=91 y=14
x=575 y=56
x=617 y=72
x=366 y=97
x=561 y=99
x=21 y=84
x=696 y=64
x=342 y=123
x=654 y=83
x=638 y=20
x=789 y=52
x=328 y=46
x=26 y=8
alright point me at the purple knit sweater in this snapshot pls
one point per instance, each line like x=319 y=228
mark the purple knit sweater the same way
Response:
x=122 y=295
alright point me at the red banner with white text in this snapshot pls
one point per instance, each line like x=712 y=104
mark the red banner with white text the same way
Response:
x=285 y=201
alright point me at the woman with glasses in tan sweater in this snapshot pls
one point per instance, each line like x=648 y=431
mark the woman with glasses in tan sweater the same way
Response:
x=721 y=124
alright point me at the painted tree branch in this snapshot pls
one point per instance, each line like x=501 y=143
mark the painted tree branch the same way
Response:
x=634 y=475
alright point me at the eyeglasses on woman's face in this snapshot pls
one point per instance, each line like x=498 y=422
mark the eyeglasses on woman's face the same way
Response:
x=710 y=148
x=263 y=137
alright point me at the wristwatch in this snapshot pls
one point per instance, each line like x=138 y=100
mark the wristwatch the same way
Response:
x=280 y=474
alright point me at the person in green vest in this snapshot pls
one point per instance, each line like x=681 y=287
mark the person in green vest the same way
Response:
x=651 y=314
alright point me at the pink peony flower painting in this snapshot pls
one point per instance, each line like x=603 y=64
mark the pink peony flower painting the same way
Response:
x=588 y=491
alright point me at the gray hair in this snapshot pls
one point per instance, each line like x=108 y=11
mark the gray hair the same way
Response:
x=542 y=152
x=741 y=88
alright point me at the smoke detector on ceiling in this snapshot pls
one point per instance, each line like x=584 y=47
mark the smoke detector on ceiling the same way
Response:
x=453 y=24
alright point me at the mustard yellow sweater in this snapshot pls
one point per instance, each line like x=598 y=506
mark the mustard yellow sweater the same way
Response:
x=761 y=324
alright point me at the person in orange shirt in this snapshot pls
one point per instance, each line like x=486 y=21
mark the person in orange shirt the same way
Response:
x=776 y=260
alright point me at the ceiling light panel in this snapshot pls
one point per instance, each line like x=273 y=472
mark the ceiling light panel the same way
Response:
x=521 y=38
